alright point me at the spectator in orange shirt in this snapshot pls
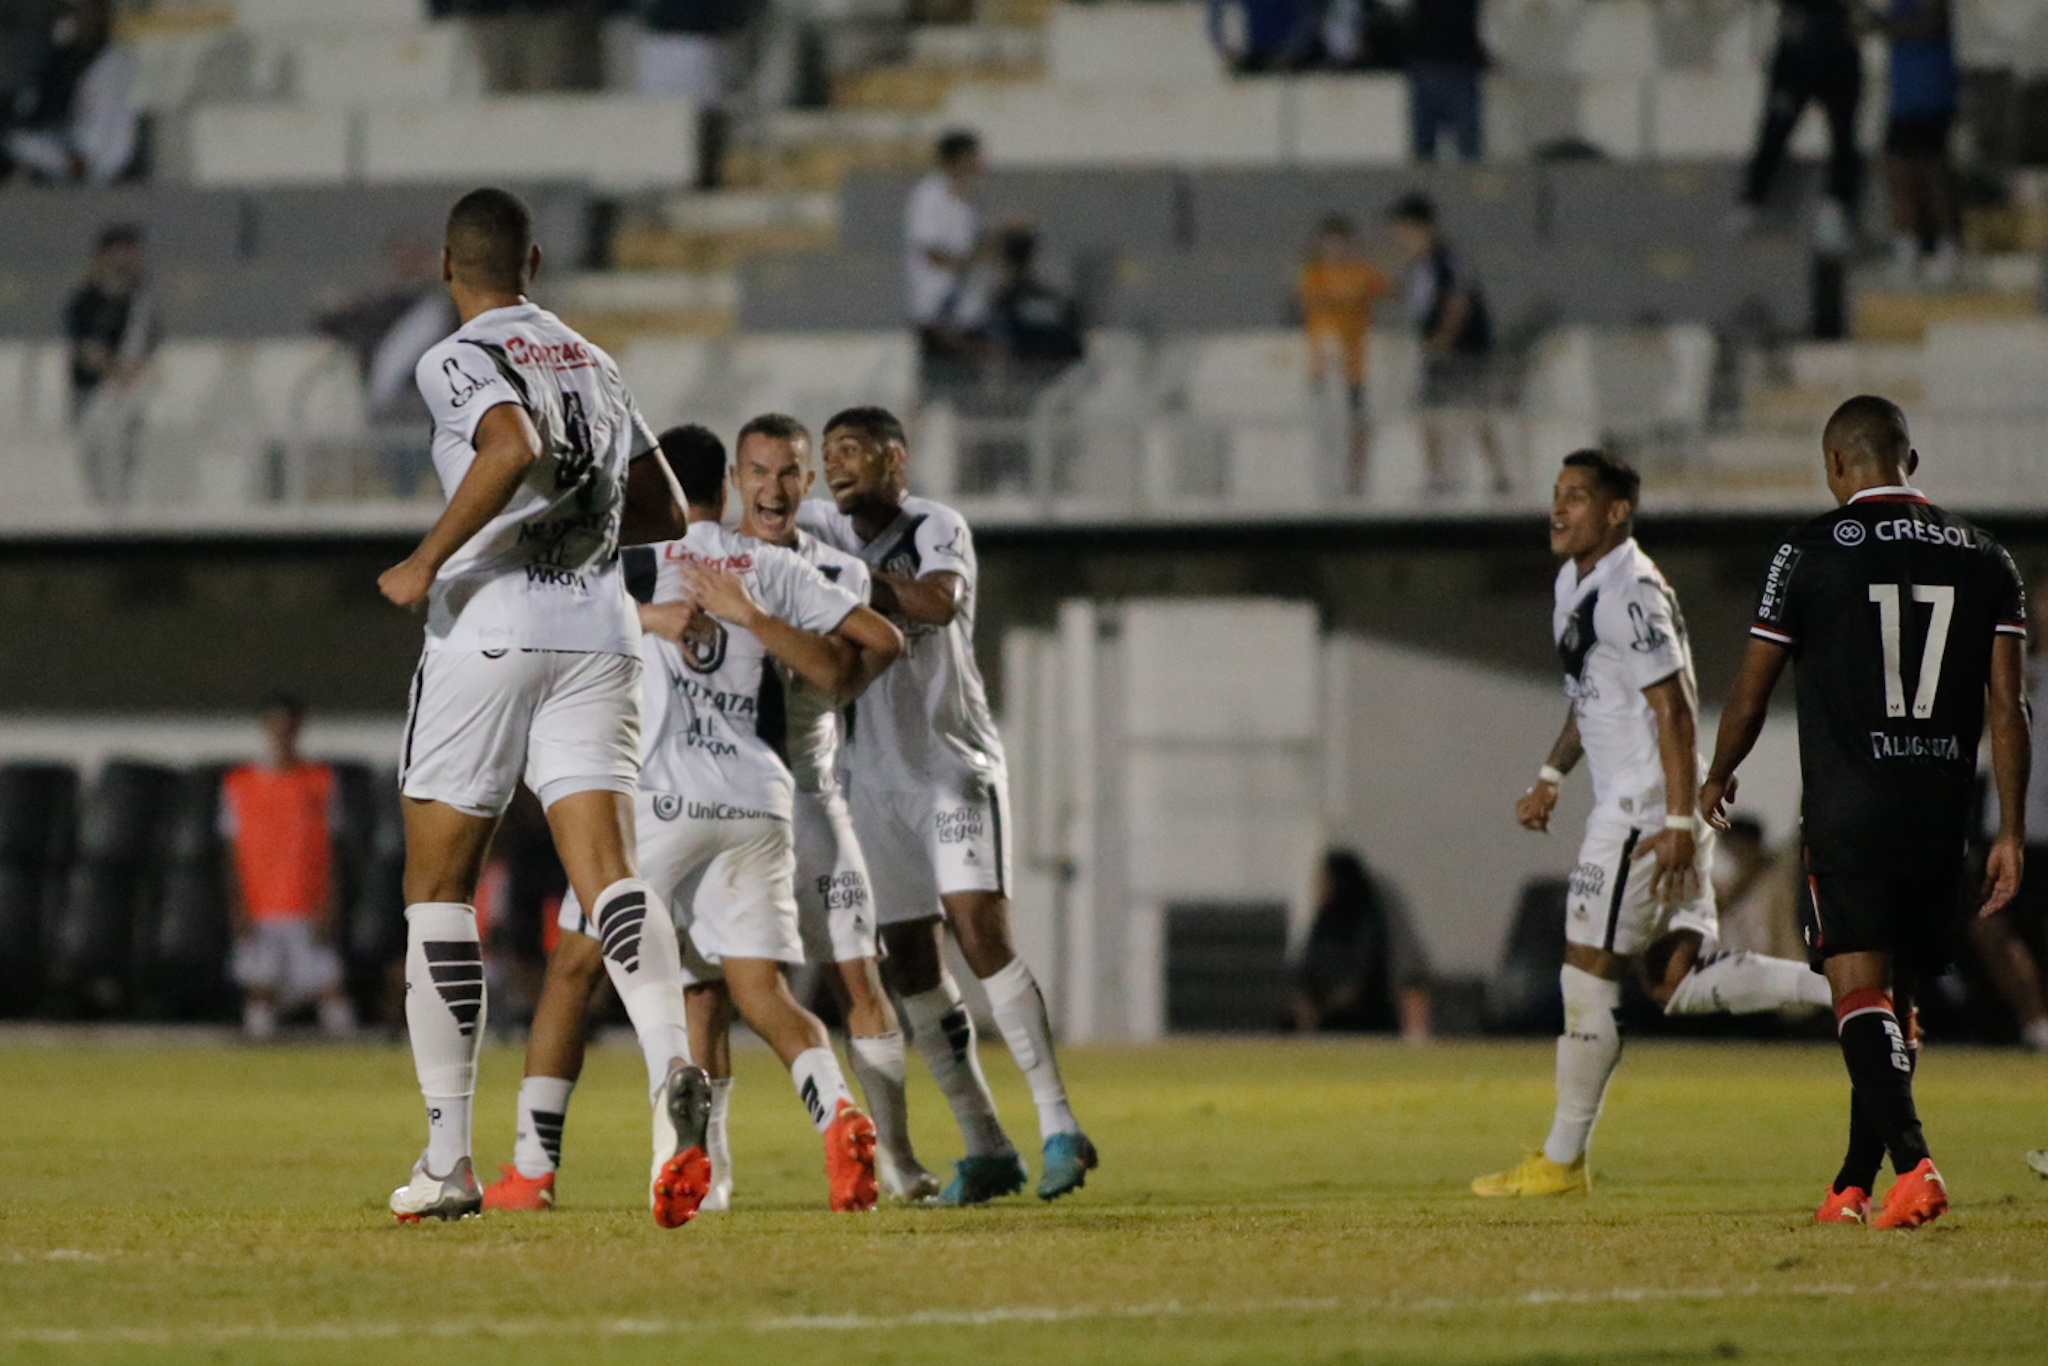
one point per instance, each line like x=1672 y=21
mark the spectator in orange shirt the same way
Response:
x=275 y=819
x=1338 y=288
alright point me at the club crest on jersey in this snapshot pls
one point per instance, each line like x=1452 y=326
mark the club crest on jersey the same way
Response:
x=704 y=644
x=1849 y=533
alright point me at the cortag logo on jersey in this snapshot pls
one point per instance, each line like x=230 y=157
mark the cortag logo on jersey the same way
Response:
x=1849 y=533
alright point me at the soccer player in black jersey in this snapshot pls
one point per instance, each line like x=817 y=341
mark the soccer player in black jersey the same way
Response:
x=1908 y=626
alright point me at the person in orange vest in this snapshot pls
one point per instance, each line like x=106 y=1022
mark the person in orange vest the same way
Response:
x=275 y=818
x=1338 y=288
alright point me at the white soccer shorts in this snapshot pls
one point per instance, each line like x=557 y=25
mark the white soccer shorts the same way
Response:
x=727 y=874
x=481 y=720
x=924 y=845
x=1610 y=906
x=280 y=954
x=835 y=910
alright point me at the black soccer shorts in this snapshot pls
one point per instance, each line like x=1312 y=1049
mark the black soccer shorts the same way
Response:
x=1912 y=914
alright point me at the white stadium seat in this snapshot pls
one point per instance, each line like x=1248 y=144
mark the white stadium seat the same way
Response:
x=269 y=144
x=616 y=141
x=1021 y=125
x=1127 y=45
x=272 y=14
x=1616 y=38
x=1349 y=121
x=1612 y=116
x=1705 y=115
x=349 y=68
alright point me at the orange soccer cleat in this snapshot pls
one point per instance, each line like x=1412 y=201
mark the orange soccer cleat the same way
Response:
x=682 y=1167
x=1919 y=1197
x=850 y=1158
x=1851 y=1206
x=513 y=1191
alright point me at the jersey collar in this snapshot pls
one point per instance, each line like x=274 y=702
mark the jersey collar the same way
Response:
x=1626 y=549
x=1890 y=493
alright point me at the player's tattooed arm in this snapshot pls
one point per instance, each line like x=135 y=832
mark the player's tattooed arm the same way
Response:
x=1532 y=812
x=1676 y=876
x=2012 y=751
x=507 y=446
x=933 y=600
x=654 y=502
x=1749 y=702
x=877 y=645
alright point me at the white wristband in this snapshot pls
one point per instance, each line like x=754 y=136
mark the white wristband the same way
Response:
x=1689 y=824
x=1550 y=774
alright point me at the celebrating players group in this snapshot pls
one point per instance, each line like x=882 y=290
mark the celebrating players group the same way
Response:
x=768 y=746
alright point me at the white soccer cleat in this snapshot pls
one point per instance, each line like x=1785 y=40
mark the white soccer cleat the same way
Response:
x=2038 y=1160
x=908 y=1184
x=427 y=1196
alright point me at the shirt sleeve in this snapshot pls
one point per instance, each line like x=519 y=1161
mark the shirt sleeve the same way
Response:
x=945 y=545
x=802 y=596
x=1777 y=619
x=2012 y=597
x=1651 y=650
x=460 y=383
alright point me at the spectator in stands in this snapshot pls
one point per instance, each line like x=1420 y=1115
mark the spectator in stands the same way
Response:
x=111 y=325
x=1922 y=87
x=1445 y=62
x=389 y=327
x=1457 y=345
x=1034 y=329
x=1337 y=290
x=1363 y=967
x=276 y=820
x=686 y=51
x=2011 y=943
x=1816 y=59
x=943 y=249
x=1276 y=35
x=532 y=45
x=76 y=117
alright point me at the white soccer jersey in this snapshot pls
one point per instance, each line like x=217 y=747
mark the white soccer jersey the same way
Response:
x=814 y=721
x=705 y=734
x=543 y=575
x=1618 y=631
x=926 y=720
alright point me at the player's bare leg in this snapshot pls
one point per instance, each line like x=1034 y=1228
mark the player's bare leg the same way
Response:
x=1873 y=1026
x=981 y=925
x=594 y=834
x=554 y=1062
x=445 y=1008
x=875 y=1055
x=943 y=1030
x=711 y=1017
x=762 y=996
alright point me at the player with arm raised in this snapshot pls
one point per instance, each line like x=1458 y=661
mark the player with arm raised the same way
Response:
x=928 y=791
x=1908 y=630
x=530 y=670
x=1638 y=898
x=714 y=813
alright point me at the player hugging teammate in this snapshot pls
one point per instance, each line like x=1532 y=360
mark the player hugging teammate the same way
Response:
x=695 y=733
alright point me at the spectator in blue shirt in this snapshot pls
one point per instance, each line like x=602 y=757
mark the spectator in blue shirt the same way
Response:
x=1922 y=109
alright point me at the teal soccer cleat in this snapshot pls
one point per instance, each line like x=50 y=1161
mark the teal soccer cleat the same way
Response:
x=977 y=1180
x=1068 y=1160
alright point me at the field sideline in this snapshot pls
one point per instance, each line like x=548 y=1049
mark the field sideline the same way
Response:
x=1260 y=1202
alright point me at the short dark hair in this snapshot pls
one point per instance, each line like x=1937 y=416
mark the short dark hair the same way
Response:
x=290 y=703
x=1871 y=427
x=1018 y=247
x=118 y=235
x=871 y=421
x=1417 y=208
x=1617 y=478
x=956 y=144
x=490 y=237
x=774 y=426
x=698 y=458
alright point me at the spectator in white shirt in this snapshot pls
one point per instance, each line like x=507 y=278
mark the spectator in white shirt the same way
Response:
x=76 y=118
x=942 y=250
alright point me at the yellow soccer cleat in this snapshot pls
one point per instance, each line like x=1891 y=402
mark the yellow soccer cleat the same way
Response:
x=1538 y=1175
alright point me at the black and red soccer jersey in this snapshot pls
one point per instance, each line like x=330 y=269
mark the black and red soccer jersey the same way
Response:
x=1889 y=606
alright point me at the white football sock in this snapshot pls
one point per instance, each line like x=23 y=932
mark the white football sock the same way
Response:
x=1019 y=1008
x=444 y=1014
x=1586 y=1054
x=879 y=1064
x=543 y=1110
x=645 y=961
x=820 y=1085
x=1744 y=983
x=944 y=1032
x=718 y=1144
x=259 y=1019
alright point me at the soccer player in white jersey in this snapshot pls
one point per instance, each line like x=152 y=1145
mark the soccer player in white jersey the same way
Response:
x=929 y=796
x=531 y=669
x=1638 y=899
x=714 y=811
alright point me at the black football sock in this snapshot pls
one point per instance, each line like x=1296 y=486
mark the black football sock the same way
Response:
x=1866 y=1149
x=1881 y=1071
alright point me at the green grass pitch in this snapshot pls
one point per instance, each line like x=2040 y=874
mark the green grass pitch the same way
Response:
x=1258 y=1202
